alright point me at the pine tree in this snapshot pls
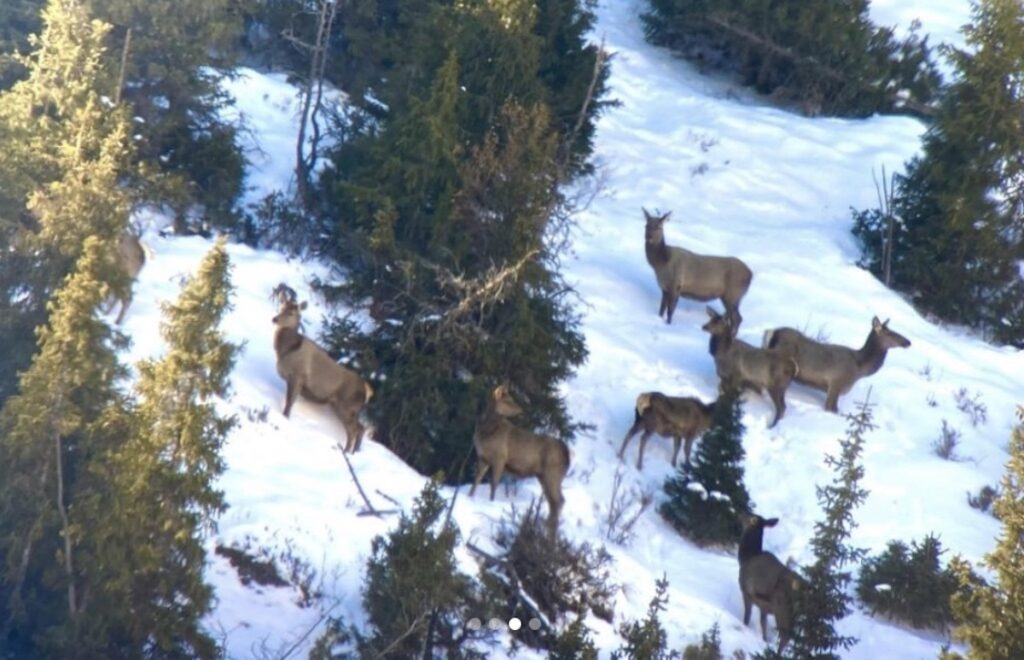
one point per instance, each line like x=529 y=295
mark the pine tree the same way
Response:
x=51 y=437
x=646 y=640
x=706 y=498
x=992 y=616
x=960 y=206
x=823 y=599
x=152 y=596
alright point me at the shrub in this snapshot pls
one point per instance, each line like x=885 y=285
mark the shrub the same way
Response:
x=945 y=445
x=983 y=501
x=574 y=643
x=709 y=648
x=646 y=640
x=909 y=584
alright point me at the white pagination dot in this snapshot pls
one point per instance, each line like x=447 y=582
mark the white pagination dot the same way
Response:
x=514 y=623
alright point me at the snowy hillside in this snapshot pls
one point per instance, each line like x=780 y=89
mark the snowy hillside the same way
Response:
x=741 y=178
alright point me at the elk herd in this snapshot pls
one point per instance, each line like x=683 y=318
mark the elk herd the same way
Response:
x=784 y=356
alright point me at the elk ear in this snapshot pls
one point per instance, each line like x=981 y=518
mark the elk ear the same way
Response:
x=875 y=323
x=501 y=391
x=885 y=323
x=711 y=311
x=771 y=522
x=665 y=217
x=647 y=214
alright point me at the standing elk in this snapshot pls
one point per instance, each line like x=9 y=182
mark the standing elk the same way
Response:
x=742 y=366
x=691 y=275
x=833 y=368
x=131 y=256
x=310 y=370
x=501 y=446
x=765 y=581
x=669 y=416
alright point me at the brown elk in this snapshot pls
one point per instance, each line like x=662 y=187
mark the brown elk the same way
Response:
x=691 y=275
x=833 y=368
x=501 y=446
x=308 y=369
x=131 y=256
x=742 y=366
x=765 y=581
x=669 y=416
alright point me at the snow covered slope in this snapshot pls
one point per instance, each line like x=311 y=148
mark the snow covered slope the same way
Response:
x=742 y=178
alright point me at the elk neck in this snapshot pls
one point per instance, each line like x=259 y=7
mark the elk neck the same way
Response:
x=489 y=420
x=286 y=340
x=718 y=343
x=657 y=253
x=871 y=355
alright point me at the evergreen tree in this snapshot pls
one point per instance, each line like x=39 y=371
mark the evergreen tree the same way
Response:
x=992 y=616
x=823 y=599
x=706 y=498
x=960 y=205
x=66 y=152
x=151 y=596
x=18 y=20
x=646 y=640
x=826 y=55
x=415 y=598
x=51 y=440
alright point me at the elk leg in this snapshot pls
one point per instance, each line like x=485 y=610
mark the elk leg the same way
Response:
x=673 y=300
x=629 y=436
x=289 y=397
x=832 y=400
x=779 y=399
x=664 y=303
x=481 y=470
x=732 y=312
x=643 y=446
x=677 y=443
x=127 y=300
x=748 y=605
x=551 y=484
x=764 y=624
x=496 y=472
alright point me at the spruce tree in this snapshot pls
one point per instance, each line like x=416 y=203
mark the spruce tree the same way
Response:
x=706 y=498
x=991 y=616
x=151 y=557
x=823 y=599
x=51 y=445
x=647 y=640
x=960 y=206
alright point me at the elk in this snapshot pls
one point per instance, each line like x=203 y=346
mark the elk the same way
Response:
x=833 y=368
x=131 y=256
x=740 y=365
x=691 y=275
x=668 y=416
x=765 y=581
x=308 y=369
x=501 y=446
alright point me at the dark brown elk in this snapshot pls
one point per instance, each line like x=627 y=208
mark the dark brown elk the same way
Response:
x=132 y=257
x=742 y=366
x=765 y=581
x=691 y=275
x=673 y=417
x=833 y=368
x=502 y=446
x=309 y=370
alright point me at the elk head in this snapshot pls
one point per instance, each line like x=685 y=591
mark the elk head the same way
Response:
x=289 y=315
x=886 y=337
x=654 y=232
x=504 y=404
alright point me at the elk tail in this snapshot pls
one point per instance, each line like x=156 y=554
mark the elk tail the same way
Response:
x=643 y=402
x=369 y=392
x=796 y=367
x=769 y=337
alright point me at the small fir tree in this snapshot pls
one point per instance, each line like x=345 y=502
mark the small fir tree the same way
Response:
x=415 y=598
x=909 y=584
x=707 y=498
x=822 y=599
x=646 y=640
x=991 y=617
x=574 y=642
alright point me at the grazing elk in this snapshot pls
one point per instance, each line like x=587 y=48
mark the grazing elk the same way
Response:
x=765 y=581
x=693 y=276
x=501 y=446
x=833 y=368
x=670 y=416
x=308 y=369
x=742 y=366
x=132 y=257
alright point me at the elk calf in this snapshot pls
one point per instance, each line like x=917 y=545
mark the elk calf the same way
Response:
x=765 y=581
x=833 y=368
x=308 y=369
x=693 y=276
x=740 y=365
x=501 y=446
x=669 y=416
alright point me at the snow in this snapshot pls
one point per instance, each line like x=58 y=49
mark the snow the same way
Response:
x=742 y=178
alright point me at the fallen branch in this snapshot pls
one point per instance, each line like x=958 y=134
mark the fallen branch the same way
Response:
x=370 y=509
